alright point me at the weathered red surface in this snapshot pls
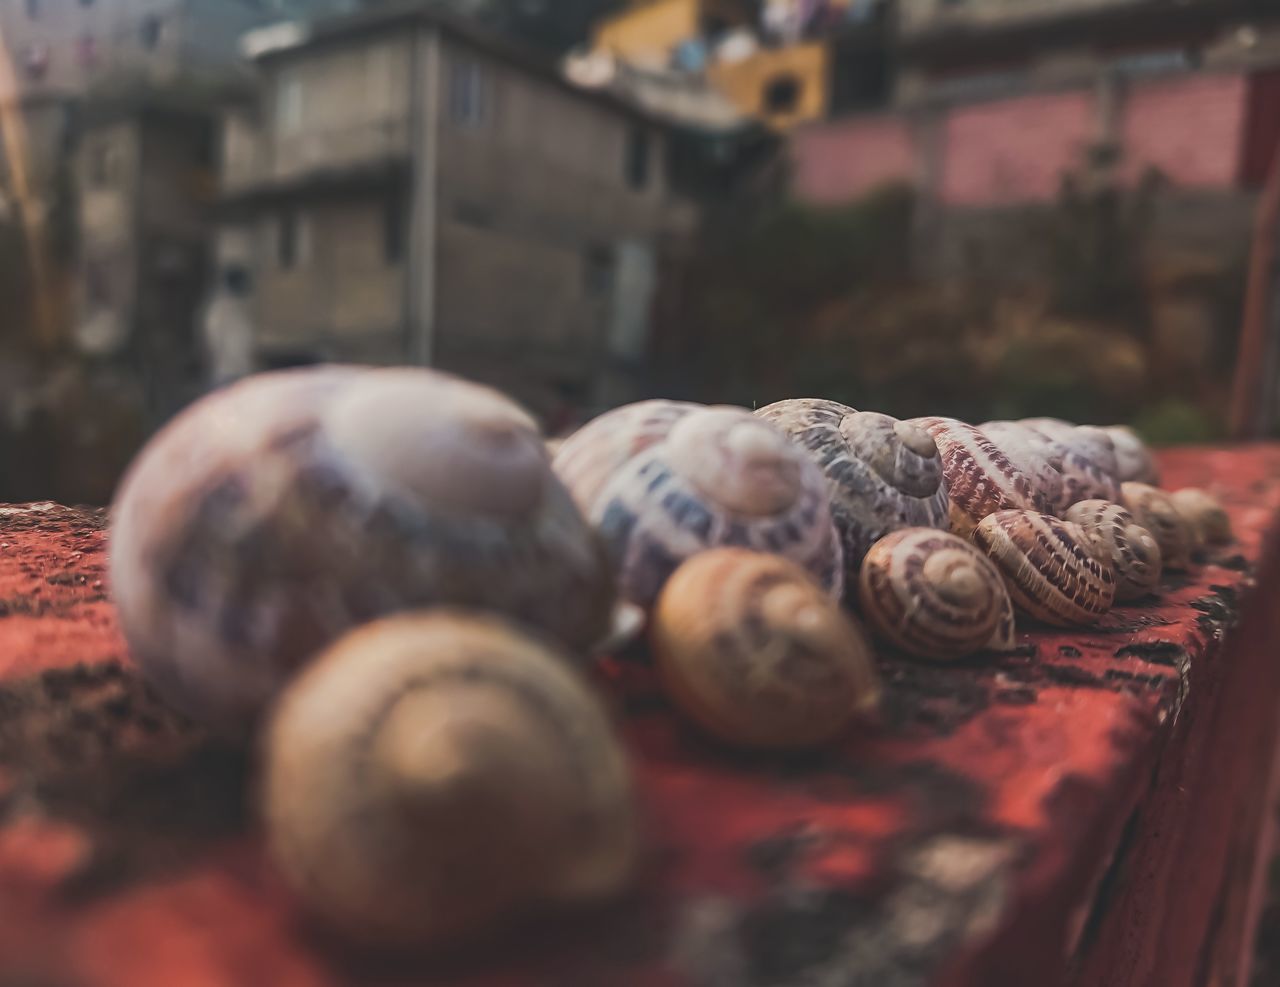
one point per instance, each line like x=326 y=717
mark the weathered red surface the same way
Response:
x=1087 y=805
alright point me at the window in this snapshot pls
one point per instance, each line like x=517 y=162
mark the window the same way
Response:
x=468 y=93
x=782 y=94
x=289 y=103
x=637 y=161
x=151 y=30
x=597 y=271
x=395 y=226
x=290 y=240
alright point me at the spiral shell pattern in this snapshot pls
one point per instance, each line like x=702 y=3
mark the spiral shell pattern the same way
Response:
x=1205 y=513
x=933 y=595
x=1037 y=456
x=1134 y=462
x=1118 y=539
x=1154 y=510
x=884 y=474
x=755 y=652
x=722 y=477
x=981 y=479
x=588 y=459
x=1087 y=459
x=1052 y=574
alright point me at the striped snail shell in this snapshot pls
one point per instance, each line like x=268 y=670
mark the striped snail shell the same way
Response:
x=1089 y=469
x=1154 y=510
x=434 y=774
x=588 y=459
x=1118 y=539
x=1205 y=512
x=884 y=474
x=1134 y=461
x=1049 y=567
x=722 y=476
x=933 y=595
x=273 y=515
x=981 y=479
x=1037 y=456
x=757 y=654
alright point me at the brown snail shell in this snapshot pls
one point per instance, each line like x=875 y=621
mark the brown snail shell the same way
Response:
x=432 y=775
x=756 y=653
x=981 y=479
x=884 y=474
x=1155 y=511
x=1088 y=459
x=1037 y=456
x=933 y=595
x=1052 y=574
x=721 y=477
x=586 y=460
x=1118 y=539
x=1134 y=461
x=1205 y=513
x=272 y=516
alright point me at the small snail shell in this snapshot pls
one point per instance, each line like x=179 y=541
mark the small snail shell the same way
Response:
x=721 y=477
x=754 y=651
x=1155 y=511
x=432 y=775
x=1205 y=513
x=1038 y=457
x=1050 y=570
x=588 y=459
x=1118 y=539
x=274 y=515
x=981 y=479
x=1089 y=469
x=933 y=595
x=1134 y=461
x=884 y=474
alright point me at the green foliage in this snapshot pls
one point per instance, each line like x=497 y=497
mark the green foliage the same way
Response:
x=1176 y=422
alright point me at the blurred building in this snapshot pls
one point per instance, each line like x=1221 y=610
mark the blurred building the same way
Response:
x=407 y=189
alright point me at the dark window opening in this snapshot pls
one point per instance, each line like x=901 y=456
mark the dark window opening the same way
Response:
x=237 y=281
x=637 y=164
x=782 y=94
x=394 y=229
x=287 y=241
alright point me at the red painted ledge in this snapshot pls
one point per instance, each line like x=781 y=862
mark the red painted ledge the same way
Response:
x=1085 y=811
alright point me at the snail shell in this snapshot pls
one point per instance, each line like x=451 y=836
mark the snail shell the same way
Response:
x=933 y=595
x=274 y=515
x=1037 y=456
x=1134 y=461
x=432 y=775
x=1118 y=539
x=721 y=477
x=884 y=474
x=1155 y=511
x=1089 y=468
x=981 y=479
x=756 y=653
x=588 y=459
x=1205 y=513
x=1050 y=570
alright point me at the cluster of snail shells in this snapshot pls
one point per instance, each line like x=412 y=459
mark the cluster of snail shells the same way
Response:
x=432 y=775
x=1154 y=510
x=661 y=482
x=883 y=474
x=272 y=516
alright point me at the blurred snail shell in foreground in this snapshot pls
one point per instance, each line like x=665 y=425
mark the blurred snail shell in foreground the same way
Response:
x=1202 y=510
x=721 y=477
x=432 y=775
x=1037 y=456
x=933 y=594
x=586 y=460
x=981 y=479
x=1089 y=470
x=1155 y=511
x=756 y=653
x=1118 y=539
x=1051 y=572
x=271 y=516
x=884 y=474
x=1134 y=461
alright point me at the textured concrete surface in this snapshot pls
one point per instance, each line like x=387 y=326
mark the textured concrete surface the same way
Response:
x=1085 y=810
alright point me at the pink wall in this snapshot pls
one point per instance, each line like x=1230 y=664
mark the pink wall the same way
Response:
x=1192 y=129
x=839 y=161
x=1014 y=150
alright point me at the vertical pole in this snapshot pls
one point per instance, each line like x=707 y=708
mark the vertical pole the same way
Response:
x=1251 y=391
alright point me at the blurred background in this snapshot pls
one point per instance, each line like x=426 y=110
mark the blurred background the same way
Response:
x=982 y=208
